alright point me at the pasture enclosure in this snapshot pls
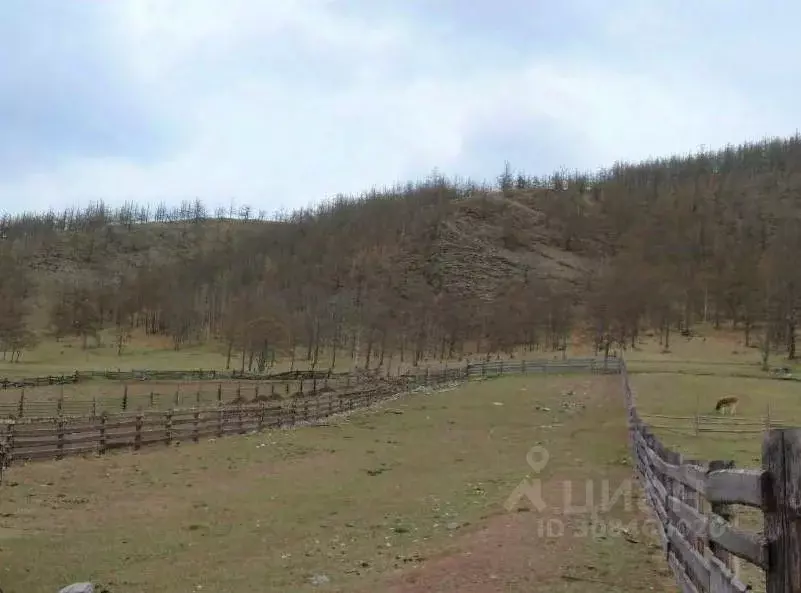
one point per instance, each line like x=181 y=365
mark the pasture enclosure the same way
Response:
x=144 y=390
x=62 y=434
x=693 y=501
x=399 y=492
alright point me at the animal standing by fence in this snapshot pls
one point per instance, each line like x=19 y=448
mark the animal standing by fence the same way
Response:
x=699 y=528
x=727 y=405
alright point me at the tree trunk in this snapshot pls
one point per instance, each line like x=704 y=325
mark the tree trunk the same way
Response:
x=316 y=344
x=791 y=339
x=228 y=355
x=369 y=348
x=766 y=348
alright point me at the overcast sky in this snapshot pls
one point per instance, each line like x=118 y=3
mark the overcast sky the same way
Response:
x=282 y=103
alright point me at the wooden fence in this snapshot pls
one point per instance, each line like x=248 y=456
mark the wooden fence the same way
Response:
x=163 y=390
x=699 y=529
x=59 y=437
x=39 y=381
x=205 y=375
x=575 y=365
x=125 y=396
x=63 y=435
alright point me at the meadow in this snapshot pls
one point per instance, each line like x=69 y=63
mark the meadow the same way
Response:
x=409 y=497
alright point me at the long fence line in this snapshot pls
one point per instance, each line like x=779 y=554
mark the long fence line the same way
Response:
x=715 y=425
x=161 y=390
x=62 y=435
x=692 y=500
x=164 y=375
x=123 y=396
x=234 y=375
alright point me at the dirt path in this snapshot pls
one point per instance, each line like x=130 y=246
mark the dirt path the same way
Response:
x=514 y=551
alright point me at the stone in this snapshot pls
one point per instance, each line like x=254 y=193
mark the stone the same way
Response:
x=78 y=588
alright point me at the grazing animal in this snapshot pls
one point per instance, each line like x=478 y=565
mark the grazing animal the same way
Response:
x=727 y=404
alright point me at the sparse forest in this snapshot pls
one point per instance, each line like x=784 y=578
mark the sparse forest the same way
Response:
x=436 y=268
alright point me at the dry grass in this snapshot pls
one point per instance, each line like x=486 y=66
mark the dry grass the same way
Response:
x=156 y=352
x=358 y=501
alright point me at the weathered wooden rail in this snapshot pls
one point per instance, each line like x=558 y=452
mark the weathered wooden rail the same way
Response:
x=39 y=381
x=692 y=501
x=55 y=438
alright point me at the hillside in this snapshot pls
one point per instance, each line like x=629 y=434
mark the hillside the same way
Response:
x=435 y=267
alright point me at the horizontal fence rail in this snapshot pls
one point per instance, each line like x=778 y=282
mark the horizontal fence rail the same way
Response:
x=206 y=375
x=700 y=531
x=39 y=381
x=60 y=437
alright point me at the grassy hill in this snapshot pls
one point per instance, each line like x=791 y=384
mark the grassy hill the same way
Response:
x=430 y=269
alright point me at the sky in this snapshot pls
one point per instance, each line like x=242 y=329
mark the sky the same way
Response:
x=282 y=104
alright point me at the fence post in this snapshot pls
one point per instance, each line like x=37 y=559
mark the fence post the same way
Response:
x=21 y=411
x=10 y=442
x=781 y=492
x=727 y=514
x=692 y=499
x=102 y=445
x=60 y=436
x=219 y=394
x=138 y=434
x=195 y=427
x=767 y=416
x=168 y=427
x=125 y=397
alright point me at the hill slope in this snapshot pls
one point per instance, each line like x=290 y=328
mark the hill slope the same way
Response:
x=432 y=267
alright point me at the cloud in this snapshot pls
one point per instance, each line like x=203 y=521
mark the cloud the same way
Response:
x=280 y=104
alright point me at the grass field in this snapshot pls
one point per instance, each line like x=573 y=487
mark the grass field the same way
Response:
x=366 y=502
x=403 y=499
x=157 y=353
x=673 y=389
x=114 y=396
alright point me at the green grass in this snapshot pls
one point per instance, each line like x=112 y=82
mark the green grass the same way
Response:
x=361 y=501
x=673 y=388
